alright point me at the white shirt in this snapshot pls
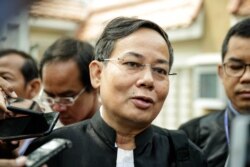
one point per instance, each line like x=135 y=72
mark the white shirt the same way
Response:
x=125 y=158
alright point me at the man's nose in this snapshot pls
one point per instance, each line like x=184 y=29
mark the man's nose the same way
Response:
x=146 y=77
x=148 y=71
x=246 y=74
x=58 y=107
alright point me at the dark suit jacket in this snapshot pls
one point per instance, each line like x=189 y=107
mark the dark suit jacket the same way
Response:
x=208 y=133
x=94 y=145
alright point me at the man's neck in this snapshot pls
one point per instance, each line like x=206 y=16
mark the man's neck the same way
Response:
x=126 y=142
x=125 y=135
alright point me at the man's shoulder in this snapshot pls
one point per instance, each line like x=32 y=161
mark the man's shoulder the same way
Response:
x=166 y=132
x=183 y=151
x=200 y=129
x=70 y=132
x=205 y=119
x=176 y=137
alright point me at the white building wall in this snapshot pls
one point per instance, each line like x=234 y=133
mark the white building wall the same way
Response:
x=177 y=107
x=182 y=103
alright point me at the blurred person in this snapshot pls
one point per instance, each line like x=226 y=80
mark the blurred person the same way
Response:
x=212 y=132
x=19 y=72
x=10 y=8
x=131 y=72
x=239 y=7
x=64 y=71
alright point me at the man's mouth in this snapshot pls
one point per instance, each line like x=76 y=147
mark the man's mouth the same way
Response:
x=142 y=102
x=244 y=94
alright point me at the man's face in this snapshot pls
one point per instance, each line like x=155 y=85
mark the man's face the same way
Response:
x=62 y=79
x=134 y=98
x=10 y=70
x=237 y=88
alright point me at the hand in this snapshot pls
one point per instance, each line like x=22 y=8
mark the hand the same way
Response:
x=18 y=162
x=7 y=149
x=5 y=90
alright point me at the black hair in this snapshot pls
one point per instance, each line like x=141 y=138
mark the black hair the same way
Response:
x=67 y=48
x=121 y=27
x=29 y=69
x=241 y=29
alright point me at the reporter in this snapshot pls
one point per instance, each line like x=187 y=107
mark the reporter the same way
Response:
x=5 y=89
x=18 y=76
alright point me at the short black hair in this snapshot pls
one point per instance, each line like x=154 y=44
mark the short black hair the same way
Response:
x=240 y=29
x=121 y=27
x=67 y=48
x=29 y=69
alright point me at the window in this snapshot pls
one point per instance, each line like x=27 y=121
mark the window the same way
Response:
x=207 y=83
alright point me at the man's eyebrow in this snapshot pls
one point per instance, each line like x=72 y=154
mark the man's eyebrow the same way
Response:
x=161 y=61
x=5 y=72
x=62 y=94
x=48 y=93
x=235 y=59
x=138 y=55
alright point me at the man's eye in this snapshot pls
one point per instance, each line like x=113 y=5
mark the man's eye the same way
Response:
x=160 y=70
x=131 y=64
x=7 y=78
x=236 y=66
x=65 y=100
x=49 y=95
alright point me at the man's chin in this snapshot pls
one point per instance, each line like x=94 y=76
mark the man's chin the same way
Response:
x=65 y=121
x=247 y=112
x=245 y=109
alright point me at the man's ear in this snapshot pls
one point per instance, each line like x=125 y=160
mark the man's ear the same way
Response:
x=95 y=70
x=220 y=71
x=33 y=88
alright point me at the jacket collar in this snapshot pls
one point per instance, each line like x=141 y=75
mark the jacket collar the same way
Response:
x=108 y=134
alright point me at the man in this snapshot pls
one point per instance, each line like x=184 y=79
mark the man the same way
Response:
x=21 y=72
x=64 y=71
x=131 y=73
x=212 y=132
x=65 y=76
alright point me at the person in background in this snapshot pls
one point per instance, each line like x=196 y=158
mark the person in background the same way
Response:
x=64 y=71
x=65 y=77
x=131 y=70
x=20 y=71
x=212 y=132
